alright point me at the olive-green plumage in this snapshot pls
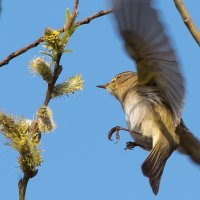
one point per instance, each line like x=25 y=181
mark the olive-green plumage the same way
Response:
x=152 y=98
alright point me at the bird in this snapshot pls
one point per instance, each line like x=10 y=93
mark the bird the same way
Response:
x=152 y=98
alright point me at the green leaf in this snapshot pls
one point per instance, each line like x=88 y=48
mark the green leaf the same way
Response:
x=45 y=53
x=64 y=38
x=71 y=31
x=67 y=51
x=67 y=15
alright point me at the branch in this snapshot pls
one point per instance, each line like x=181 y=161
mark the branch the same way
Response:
x=58 y=68
x=73 y=16
x=56 y=73
x=188 y=20
x=22 y=184
x=22 y=187
x=6 y=60
x=87 y=20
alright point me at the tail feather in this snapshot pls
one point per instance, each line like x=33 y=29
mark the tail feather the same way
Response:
x=189 y=144
x=154 y=165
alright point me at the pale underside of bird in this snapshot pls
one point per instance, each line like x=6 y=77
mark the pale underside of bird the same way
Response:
x=152 y=98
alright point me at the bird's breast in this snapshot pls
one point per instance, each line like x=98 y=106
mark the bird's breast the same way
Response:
x=137 y=111
x=139 y=115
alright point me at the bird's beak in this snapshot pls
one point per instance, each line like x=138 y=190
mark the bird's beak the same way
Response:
x=102 y=86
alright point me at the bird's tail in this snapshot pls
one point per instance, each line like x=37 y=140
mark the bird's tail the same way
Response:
x=189 y=144
x=154 y=165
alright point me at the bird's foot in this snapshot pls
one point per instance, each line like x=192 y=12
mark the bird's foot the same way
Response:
x=131 y=145
x=116 y=130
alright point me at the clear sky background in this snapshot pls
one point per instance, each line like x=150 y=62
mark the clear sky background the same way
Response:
x=79 y=161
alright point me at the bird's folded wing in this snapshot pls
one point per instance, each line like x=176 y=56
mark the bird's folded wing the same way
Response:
x=147 y=43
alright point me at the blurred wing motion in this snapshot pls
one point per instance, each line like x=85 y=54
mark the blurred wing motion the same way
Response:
x=147 y=43
x=189 y=144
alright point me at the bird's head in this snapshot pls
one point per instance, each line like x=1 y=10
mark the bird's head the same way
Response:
x=121 y=84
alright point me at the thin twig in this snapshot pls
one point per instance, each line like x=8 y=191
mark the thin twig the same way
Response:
x=188 y=20
x=22 y=187
x=88 y=19
x=57 y=67
x=6 y=60
x=56 y=73
x=73 y=16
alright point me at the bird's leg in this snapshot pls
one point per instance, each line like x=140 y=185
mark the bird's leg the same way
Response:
x=116 y=130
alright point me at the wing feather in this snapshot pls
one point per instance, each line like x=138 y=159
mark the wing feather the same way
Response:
x=147 y=43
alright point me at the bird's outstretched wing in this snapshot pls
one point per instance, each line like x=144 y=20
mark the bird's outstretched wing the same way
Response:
x=147 y=43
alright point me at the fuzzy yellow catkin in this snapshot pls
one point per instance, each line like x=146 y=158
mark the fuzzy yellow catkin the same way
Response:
x=14 y=130
x=45 y=119
x=30 y=157
x=20 y=137
x=39 y=66
x=53 y=40
x=72 y=85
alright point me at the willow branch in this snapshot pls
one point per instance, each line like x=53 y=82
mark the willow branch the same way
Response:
x=22 y=187
x=6 y=60
x=188 y=20
x=73 y=16
x=58 y=67
x=87 y=20
x=56 y=73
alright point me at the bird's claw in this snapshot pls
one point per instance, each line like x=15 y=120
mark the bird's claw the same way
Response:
x=130 y=145
x=116 y=130
x=113 y=130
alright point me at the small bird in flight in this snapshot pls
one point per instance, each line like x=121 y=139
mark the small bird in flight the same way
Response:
x=152 y=98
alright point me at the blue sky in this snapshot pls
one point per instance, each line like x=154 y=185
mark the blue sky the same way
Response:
x=79 y=161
